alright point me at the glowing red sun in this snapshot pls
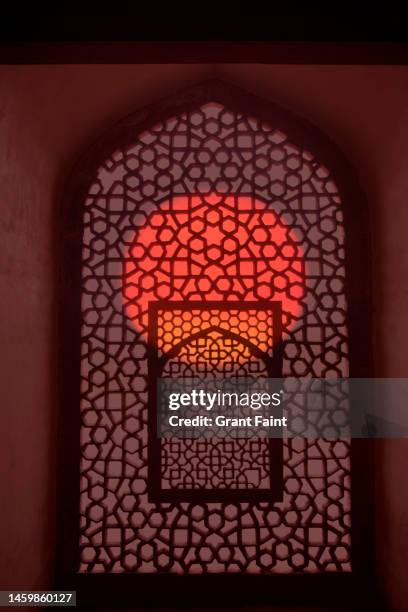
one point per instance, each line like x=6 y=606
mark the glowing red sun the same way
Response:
x=214 y=247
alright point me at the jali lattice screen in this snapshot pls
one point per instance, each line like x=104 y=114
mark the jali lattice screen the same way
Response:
x=211 y=204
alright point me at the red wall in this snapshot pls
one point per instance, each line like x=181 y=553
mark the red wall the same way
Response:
x=47 y=115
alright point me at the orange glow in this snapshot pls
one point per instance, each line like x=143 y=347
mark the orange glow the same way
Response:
x=221 y=248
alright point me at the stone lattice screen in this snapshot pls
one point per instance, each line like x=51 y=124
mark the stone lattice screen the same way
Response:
x=209 y=205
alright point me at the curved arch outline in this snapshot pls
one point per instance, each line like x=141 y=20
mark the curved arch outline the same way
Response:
x=68 y=243
x=268 y=361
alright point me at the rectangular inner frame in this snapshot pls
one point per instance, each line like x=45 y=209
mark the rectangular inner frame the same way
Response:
x=156 y=492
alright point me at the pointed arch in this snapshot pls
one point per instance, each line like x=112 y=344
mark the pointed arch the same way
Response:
x=302 y=135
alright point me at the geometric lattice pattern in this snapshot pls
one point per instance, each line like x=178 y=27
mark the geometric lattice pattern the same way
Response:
x=207 y=353
x=216 y=464
x=209 y=205
x=175 y=326
x=214 y=355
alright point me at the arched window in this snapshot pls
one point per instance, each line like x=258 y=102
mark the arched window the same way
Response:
x=213 y=232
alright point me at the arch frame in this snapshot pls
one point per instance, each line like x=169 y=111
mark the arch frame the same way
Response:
x=273 y=365
x=68 y=245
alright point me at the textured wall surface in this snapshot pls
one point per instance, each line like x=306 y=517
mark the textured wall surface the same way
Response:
x=47 y=116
